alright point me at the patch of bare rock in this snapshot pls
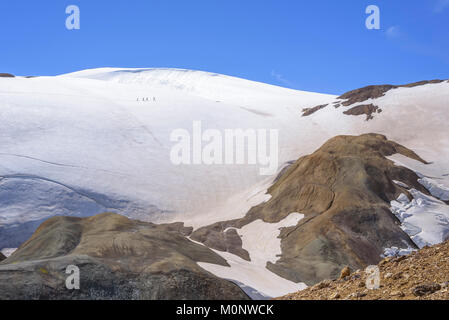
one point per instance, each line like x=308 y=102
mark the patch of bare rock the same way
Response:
x=423 y=275
x=377 y=91
x=6 y=75
x=367 y=109
x=118 y=258
x=363 y=94
x=308 y=111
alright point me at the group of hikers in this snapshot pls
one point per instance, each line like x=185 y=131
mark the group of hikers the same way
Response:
x=146 y=99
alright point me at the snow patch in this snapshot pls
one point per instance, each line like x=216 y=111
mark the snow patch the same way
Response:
x=7 y=252
x=261 y=240
x=265 y=246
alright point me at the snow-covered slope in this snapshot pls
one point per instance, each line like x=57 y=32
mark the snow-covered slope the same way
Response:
x=84 y=139
x=81 y=143
x=87 y=142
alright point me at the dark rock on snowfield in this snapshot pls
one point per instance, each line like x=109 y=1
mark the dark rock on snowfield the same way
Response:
x=365 y=109
x=6 y=75
x=377 y=91
x=2 y=257
x=308 y=111
x=118 y=258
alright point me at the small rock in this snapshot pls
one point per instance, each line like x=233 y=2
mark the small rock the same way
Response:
x=323 y=284
x=397 y=293
x=345 y=272
x=426 y=289
x=397 y=276
x=334 y=296
x=388 y=275
x=356 y=295
x=355 y=277
x=362 y=284
x=445 y=284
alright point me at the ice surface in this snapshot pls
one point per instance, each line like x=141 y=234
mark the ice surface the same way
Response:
x=425 y=219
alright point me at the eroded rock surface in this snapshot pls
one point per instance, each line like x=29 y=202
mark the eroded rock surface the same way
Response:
x=344 y=190
x=118 y=258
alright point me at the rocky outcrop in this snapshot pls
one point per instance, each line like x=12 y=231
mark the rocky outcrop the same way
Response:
x=2 y=257
x=344 y=190
x=346 y=272
x=364 y=109
x=6 y=75
x=118 y=258
x=373 y=92
x=218 y=237
x=423 y=275
x=364 y=94
x=308 y=111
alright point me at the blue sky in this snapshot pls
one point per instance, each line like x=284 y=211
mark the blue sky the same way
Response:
x=319 y=45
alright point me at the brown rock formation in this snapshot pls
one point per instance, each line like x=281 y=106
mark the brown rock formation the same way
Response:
x=373 y=92
x=346 y=272
x=367 y=109
x=217 y=238
x=344 y=190
x=308 y=111
x=118 y=258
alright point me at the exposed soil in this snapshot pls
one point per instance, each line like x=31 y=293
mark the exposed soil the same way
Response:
x=423 y=275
